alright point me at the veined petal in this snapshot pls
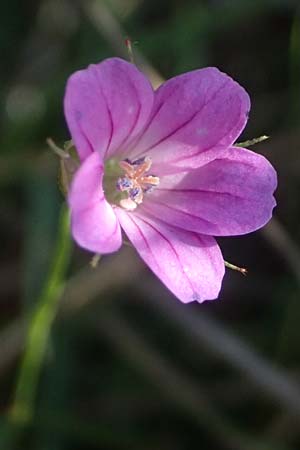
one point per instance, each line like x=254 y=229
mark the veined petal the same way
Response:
x=106 y=106
x=231 y=195
x=190 y=265
x=95 y=226
x=194 y=116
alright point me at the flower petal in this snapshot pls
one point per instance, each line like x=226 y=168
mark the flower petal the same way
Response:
x=229 y=196
x=106 y=106
x=95 y=226
x=190 y=265
x=194 y=115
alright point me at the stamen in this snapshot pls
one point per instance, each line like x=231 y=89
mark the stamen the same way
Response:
x=134 y=193
x=135 y=182
x=123 y=184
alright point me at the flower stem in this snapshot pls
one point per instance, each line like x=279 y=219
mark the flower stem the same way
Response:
x=39 y=329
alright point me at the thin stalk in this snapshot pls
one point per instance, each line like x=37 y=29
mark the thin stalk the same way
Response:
x=39 y=328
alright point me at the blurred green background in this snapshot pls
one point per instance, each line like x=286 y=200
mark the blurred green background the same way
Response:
x=106 y=358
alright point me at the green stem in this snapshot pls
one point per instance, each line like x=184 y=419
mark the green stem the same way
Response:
x=39 y=328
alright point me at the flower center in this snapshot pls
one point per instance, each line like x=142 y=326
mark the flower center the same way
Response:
x=135 y=182
x=126 y=182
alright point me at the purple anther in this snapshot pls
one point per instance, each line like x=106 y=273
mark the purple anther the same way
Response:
x=123 y=184
x=138 y=162
x=134 y=192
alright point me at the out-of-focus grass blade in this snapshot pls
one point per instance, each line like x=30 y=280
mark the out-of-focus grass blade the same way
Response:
x=40 y=226
x=295 y=71
x=290 y=334
x=55 y=390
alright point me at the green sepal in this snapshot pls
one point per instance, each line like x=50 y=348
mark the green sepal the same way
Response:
x=252 y=141
x=68 y=163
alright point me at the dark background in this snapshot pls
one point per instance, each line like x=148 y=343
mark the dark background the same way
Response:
x=123 y=364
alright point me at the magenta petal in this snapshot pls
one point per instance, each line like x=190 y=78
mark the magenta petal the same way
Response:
x=229 y=196
x=193 y=114
x=190 y=265
x=106 y=106
x=95 y=226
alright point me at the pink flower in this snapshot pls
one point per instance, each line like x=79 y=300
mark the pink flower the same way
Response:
x=162 y=166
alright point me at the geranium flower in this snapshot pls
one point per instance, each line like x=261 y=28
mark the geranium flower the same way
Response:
x=162 y=166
